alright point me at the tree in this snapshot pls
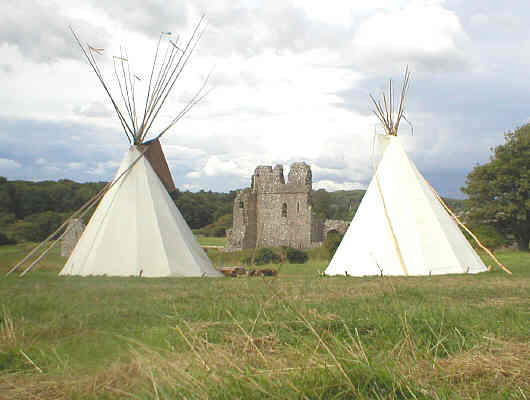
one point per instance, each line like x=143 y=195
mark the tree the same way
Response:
x=37 y=226
x=332 y=243
x=321 y=201
x=498 y=190
x=14 y=201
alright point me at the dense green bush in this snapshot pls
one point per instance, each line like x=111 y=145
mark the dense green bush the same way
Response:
x=295 y=256
x=37 y=227
x=488 y=236
x=218 y=228
x=219 y=231
x=266 y=256
x=332 y=243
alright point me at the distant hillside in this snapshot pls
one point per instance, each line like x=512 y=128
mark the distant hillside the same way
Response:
x=30 y=211
x=343 y=204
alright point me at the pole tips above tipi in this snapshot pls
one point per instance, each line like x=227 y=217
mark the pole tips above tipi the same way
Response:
x=385 y=107
x=170 y=59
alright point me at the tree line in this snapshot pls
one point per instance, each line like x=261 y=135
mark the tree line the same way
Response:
x=499 y=189
x=30 y=211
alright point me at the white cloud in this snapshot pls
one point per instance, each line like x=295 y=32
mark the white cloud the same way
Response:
x=423 y=34
x=176 y=152
x=215 y=166
x=104 y=168
x=190 y=187
x=52 y=40
x=94 y=109
x=6 y=68
x=193 y=174
x=52 y=169
x=7 y=165
x=75 y=165
x=331 y=186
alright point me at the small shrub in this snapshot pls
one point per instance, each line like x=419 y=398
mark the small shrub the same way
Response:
x=295 y=256
x=332 y=243
x=219 y=231
x=266 y=256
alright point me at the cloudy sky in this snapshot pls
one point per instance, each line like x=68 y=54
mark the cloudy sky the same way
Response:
x=290 y=83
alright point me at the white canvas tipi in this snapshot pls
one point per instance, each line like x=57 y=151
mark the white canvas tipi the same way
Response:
x=401 y=228
x=138 y=230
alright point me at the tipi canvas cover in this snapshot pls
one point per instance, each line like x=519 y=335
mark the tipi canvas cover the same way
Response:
x=138 y=230
x=401 y=228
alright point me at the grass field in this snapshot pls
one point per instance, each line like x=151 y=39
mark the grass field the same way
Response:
x=292 y=337
x=211 y=241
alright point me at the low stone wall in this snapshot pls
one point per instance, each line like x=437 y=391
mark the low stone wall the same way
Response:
x=74 y=230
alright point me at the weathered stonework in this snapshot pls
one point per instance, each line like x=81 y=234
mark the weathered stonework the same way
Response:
x=334 y=225
x=275 y=213
x=74 y=230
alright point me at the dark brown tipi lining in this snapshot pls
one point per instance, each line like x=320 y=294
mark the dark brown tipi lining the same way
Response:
x=158 y=161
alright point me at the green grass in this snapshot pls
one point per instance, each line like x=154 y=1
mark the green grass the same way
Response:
x=295 y=336
x=211 y=241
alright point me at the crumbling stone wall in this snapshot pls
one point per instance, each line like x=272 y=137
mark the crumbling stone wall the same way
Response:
x=317 y=230
x=334 y=225
x=243 y=232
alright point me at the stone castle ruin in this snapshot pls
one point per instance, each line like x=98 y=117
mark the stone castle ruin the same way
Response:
x=275 y=213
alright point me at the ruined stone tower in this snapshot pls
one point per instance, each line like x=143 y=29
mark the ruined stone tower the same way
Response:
x=272 y=212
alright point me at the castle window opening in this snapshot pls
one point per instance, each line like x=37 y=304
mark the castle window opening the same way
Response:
x=241 y=204
x=284 y=210
x=298 y=207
